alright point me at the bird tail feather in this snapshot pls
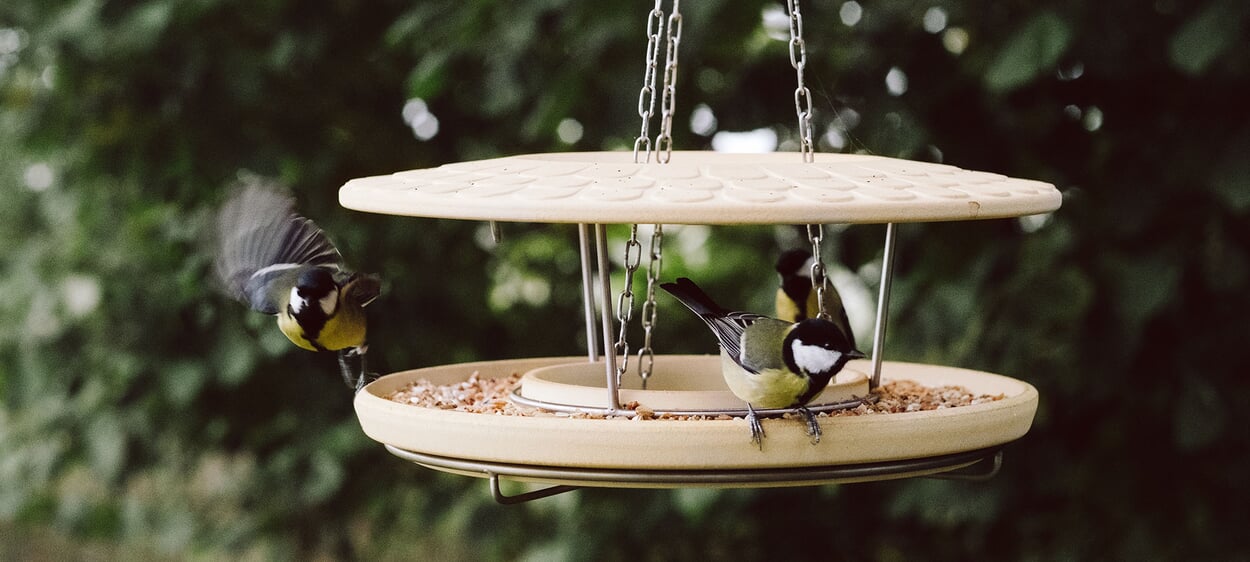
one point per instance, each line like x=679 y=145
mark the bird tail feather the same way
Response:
x=694 y=298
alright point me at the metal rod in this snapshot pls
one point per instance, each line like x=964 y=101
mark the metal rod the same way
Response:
x=711 y=477
x=496 y=493
x=496 y=233
x=588 y=295
x=883 y=304
x=847 y=404
x=980 y=471
x=609 y=339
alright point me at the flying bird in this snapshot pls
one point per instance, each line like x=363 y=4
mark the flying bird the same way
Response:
x=280 y=263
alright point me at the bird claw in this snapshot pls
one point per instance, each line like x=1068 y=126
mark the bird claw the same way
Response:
x=355 y=381
x=813 y=427
x=364 y=380
x=757 y=429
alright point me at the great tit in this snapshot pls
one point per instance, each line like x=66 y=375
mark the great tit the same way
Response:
x=767 y=362
x=280 y=263
x=796 y=301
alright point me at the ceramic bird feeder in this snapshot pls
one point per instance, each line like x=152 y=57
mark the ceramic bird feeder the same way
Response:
x=577 y=422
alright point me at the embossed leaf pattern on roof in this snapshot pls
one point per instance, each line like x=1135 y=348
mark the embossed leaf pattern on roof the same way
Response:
x=700 y=187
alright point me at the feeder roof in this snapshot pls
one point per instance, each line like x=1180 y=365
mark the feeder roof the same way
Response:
x=699 y=187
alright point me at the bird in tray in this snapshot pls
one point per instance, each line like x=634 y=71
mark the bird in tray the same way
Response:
x=796 y=299
x=280 y=263
x=771 y=363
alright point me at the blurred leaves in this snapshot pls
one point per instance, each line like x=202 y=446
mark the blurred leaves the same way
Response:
x=1231 y=175
x=1200 y=416
x=1207 y=35
x=1031 y=51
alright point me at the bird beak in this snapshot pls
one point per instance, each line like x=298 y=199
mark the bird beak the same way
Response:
x=856 y=354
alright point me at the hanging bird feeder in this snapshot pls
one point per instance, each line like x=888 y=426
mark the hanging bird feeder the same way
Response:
x=592 y=424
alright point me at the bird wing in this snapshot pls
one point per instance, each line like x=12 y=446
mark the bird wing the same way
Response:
x=834 y=308
x=360 y=289
x=727 y=325
x=761 y=345
x=267 y=290
x=729 y=330
x=261 y=240
x=841 y=319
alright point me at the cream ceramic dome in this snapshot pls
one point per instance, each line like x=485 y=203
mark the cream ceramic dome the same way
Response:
x=698 y=187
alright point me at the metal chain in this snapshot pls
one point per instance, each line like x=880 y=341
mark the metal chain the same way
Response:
x=664 y=144
x=646 y=357
x=625 y=302
x=815 y=234
x=802 y=96
x=646 y=96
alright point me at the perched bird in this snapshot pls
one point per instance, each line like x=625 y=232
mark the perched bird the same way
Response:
x=280 y=263
x=767 y=362
x=796 y=299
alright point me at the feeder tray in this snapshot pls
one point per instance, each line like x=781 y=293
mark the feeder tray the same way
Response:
x=674 y=452
x=695 y=187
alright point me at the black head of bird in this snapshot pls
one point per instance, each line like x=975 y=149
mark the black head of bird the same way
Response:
x=816 y=348
x=315 y=286
x=312 y=302
x=796 y=300
x=794 y=262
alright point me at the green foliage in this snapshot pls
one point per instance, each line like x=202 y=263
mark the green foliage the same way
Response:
x=142 y=414
x=1031 y=51
x=1207 y=35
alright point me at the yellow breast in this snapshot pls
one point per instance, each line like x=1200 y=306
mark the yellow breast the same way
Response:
x=343 y=330
x=346 y=329
x=772 y=388
x=786 y=309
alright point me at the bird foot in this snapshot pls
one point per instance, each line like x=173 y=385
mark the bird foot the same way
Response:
x=757 y=429
x=813 y=427
x=355 y=380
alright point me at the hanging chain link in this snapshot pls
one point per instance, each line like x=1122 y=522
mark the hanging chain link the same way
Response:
x=625 y=302
x=802 y=96
x=646 y=357
x=646 y=96
x=664 y=144
x=815 y=234
x=642 y=154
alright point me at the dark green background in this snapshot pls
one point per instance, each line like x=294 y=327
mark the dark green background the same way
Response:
x=162 y=420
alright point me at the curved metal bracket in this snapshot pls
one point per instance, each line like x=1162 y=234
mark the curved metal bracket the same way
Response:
x=978 y=465
x=980 y=471
x=499 y=496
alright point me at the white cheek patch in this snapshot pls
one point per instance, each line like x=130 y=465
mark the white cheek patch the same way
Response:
x=813 y=359
x=329 y=303
x=297 y=302
x=806 y=270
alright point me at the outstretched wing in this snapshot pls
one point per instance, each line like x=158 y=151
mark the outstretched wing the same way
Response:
x=261 y=239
